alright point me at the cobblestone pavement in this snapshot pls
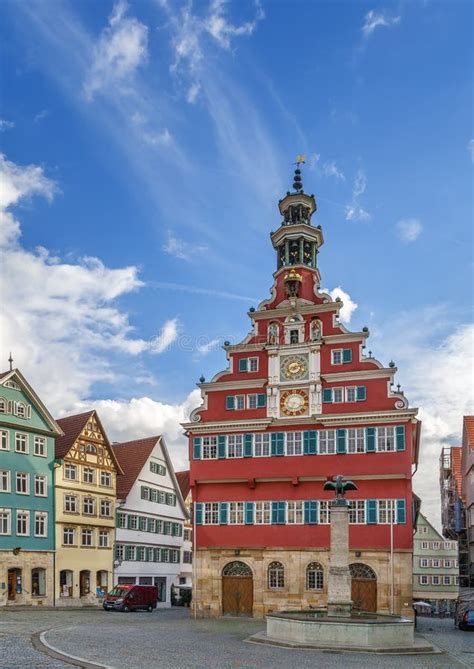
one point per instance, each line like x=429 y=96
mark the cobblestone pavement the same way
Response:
x=169 y=639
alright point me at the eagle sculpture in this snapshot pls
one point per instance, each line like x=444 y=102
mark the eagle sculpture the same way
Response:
x=340 y=486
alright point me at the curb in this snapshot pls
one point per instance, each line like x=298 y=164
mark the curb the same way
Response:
x=38 y=641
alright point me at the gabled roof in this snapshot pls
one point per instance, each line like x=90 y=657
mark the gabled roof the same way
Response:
x=132 y=455
x=16 y=375
x=72 y=427
x=456 y=454
x=183 y=482
x=468 y=432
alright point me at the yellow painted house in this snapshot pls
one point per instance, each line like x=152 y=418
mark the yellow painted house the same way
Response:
x=85 y=499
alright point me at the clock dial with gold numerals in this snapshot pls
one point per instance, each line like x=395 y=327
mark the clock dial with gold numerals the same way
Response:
x=293 y=367
x=294 y=402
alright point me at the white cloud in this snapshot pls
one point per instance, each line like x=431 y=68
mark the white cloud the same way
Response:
x=374 y=20
x=61 y=319
x=122 y=47
x=143 y=417
x=222 y=30
x=167 y=336
x=409 y=229
x=470 y=148
x=436 y=367
x=180 y=249
x=354 y=211
x=330 y=169
x=162 y=138
x=207 y=347
x=6 y=125
x=41 y=115
x=349 y=305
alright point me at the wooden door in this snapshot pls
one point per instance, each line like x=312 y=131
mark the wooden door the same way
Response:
x=364 y=594
x=12 y=585
x=237 y=595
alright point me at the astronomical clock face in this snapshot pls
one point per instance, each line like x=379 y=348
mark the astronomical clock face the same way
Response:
x=293 y=367
x=294 y=402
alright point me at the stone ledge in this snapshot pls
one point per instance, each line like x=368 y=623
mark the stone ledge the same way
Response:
x=420 y=646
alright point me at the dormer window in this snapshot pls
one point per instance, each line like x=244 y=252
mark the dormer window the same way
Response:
x=90 y=448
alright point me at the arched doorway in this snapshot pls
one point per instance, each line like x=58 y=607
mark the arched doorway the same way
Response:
x=363 y=587
x=14 y=583
x=237 y=589
x=84 y=583
x=65 y=583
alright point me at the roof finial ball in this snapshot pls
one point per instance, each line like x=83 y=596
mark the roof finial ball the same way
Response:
x=297 y=181
x=10 y=360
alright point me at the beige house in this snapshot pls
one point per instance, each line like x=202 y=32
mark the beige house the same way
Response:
x=85 y=494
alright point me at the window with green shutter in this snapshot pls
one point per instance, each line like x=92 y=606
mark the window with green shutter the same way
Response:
x=310 y=442
x=400 y=437
x=249 y=513
x=341 y=441
x=310 y=512
x=223 y=513
x=243 y=364
x=361 y=393
x=197 y=448
x=370 y=440
x=248 y=440
x=278 y=513
x=221 y=443
x=261 y=400
x=401 y=511
x=371 y=511
x=278 y=443
x=346 y=355
x=327 y=395
x=230 y=402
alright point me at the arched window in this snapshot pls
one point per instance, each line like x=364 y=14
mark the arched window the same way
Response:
x=3 y=405
x=276 y=576
x=314 y=576
x=38 y=582
x=361 y=570
x=90 y=448
x=236 y=568
x=21 y=410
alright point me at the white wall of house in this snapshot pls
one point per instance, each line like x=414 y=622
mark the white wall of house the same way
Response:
x=140 y=554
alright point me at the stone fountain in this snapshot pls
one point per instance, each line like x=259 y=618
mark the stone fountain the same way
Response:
x=339 y=627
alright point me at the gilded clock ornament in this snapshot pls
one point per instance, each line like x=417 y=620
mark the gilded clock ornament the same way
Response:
x=294 y=367
x=294 y=402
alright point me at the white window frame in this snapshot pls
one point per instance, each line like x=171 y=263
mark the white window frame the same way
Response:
x=40 y=447
x=356 y=440
x=26 y=516
x=263 y=513
x=5 y=516
x=211 y=513
x=338 y=395
x=424 y=545
x=88 y=499
x=447 y=580
x=106 y=503
x=235 y=446
x=424 y=563
x=448 y=563
x=263 y=448
x=424 y=579
x=104 y=534
x=69 y=533
x=324 y=512
x=384 y=508
x=436 y=563
x=70 y=501
x=88 y=530
x=209 y=449
x=107 y=476
x=435 y=545
x=348 y=390
x=327 y=442
x=357 y=512
x=5 y=480
x=4 y=440
x=41 y=516
x=236 y=513
x=252 y=401
x=19 y=437
x=435 y=579
x=239 y=402
x=42 y=481
x=89 y=471
x=294 y=443
x=294 y=512
x=386 y=439
x=253 y=362
x=70 y=468
x=336 y=352
x=24 y=477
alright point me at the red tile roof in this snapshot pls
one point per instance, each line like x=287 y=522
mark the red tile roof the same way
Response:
x=456 y=453
x=132 y=455
x=72 y=427
x=183 y=482
x=468 y=432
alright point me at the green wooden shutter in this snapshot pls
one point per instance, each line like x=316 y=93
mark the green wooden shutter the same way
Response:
x=310 y=442
x=370 y=439
x=261 y=400
x=249 y=513
x=347 y=355
x=371 y=511
x=197 y=448
x=310 y=512
x=230 y=402
x=221 y=441
x=361 y=393
x=400 y=432
x=248 y=440
x=223 y=513
x=198 y=508
x=341 y=441
x=327 y=395
x=243 y=365
x=278 y=443
x=401 y=511
x=278 y=513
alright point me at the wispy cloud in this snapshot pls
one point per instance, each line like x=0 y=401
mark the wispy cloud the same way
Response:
x=409 y=229
x=120 y=50
x=41 y=115
x=330 y=169
x=180 y=249
x=167 y=336
x=378 y=19
x=470 y=148
x=201 y=291
x=6 y=125
x=207 y=347
x=354 y=211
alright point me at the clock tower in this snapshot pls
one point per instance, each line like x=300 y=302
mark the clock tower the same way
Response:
x=299 y=403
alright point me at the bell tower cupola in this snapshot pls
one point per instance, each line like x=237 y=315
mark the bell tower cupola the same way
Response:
x=297 y=241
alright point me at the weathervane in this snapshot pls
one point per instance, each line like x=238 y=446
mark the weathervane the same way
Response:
x=297 y=182
x=10 y=360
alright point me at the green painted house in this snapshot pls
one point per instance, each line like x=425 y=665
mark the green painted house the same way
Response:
x=27 y=536
x=435 y=568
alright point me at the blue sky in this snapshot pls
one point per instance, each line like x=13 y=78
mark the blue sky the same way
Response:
x=145 y=147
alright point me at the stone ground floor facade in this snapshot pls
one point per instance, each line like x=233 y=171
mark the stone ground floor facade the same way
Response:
x=26 y=578
x=256 y=581
x=83 y=575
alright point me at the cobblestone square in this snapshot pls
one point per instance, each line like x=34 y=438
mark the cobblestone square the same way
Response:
x=170 y=639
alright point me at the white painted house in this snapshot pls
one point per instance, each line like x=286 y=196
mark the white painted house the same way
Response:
x=186 y=575
x=150 y=518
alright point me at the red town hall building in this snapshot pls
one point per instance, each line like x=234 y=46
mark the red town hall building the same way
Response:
x=299 y=403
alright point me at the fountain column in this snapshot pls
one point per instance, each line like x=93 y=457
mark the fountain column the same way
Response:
x=339 y=581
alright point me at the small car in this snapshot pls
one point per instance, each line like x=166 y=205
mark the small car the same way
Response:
x=131 y=598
